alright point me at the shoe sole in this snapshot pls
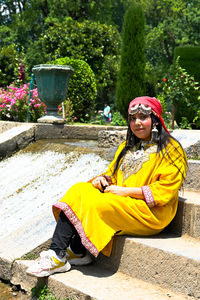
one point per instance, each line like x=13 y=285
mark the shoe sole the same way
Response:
x=80 y=261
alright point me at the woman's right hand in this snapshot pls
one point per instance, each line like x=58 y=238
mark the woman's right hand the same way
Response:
x=100 y=183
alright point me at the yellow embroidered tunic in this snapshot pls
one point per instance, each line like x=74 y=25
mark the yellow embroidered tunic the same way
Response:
x=98 y=216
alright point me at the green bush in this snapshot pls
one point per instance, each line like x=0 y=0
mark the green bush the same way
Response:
x=181 y=90
x=118 y=120
x=131 y=79
x=189 y=60
x=82 y=88
x=95 y=43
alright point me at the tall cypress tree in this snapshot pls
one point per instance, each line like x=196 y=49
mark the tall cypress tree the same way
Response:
x=131 y=77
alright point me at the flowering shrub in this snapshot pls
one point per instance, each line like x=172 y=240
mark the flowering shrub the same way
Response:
x=14 y=104
x=183 y=92
x=66 y=111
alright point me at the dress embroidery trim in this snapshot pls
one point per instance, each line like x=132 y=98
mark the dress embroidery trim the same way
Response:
x=133 y=160
x=79 y=227
x=148 y=196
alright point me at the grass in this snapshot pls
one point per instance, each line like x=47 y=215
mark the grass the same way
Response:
x=194 y=158
x=29 y=256
x=44 y=293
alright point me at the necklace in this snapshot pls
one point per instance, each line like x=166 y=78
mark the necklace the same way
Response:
x=134 y=158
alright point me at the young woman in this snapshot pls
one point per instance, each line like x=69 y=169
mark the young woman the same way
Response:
x=137 y=195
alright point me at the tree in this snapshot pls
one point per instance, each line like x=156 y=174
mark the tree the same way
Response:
x=131 y=79
x=9 y=63
x=170 y=23
x=95 y=43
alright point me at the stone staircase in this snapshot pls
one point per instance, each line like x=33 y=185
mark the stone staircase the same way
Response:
x=158 y=267
x=140 y=268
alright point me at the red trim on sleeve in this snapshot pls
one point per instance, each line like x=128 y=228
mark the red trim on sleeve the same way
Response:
x=148 y=196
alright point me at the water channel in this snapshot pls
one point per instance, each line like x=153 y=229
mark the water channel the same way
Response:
x=35 y=178
x=38 y=176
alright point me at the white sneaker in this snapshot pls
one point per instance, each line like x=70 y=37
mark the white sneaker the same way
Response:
x=78 y=259
x=48 y=264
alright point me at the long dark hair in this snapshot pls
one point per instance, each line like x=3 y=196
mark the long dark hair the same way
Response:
x=163 y=139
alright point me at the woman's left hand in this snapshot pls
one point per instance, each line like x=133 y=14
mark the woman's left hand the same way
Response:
x=133 y=192
x=117 y=190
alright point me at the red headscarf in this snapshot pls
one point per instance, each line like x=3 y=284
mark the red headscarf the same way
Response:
x=153 y=103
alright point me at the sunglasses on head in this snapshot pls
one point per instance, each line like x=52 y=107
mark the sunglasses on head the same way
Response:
x=145 y=109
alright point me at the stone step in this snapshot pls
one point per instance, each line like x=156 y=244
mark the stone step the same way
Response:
x=94 y=283
x=187 y=219
x=170 y=261
x=192 y=181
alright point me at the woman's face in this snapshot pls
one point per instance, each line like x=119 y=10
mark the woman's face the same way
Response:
x=141 y=125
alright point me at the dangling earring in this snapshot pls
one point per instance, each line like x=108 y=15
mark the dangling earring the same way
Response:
x=154 y=134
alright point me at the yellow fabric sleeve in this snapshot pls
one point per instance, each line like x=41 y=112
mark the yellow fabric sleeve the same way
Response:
x=168 y=178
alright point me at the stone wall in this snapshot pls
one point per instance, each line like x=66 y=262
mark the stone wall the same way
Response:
x=193 y=151
x=87 y=132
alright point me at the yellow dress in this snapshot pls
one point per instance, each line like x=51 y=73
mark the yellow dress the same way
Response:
x=98 y=216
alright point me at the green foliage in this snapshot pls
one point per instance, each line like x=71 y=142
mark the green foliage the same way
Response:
x=166 y=113
x=189 y=59
x=82 y=88
x=181 y=90
x=131 y=78
x=118 y=120
x=95 y=43
x=150 y=79
x=170 y=24
x=11 y=66
x=8 y=63
x=33 y=25
x=184 y=123
x=42 y=292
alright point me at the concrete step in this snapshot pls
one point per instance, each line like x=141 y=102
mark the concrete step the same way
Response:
x=187 y=219
x=92 y=282
x=170 y=261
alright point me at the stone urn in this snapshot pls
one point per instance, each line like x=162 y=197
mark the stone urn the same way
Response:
x=52 y=84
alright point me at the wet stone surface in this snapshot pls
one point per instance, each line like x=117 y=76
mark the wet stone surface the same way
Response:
x=8 y=292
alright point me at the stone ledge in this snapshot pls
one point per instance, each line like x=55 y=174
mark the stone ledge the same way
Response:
x=7 y=125
x=87 y=132
x=109 y=139
x=15 y=139
x=92 y=283
x=169 y=261
x=187 y=219
x=192 y=180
